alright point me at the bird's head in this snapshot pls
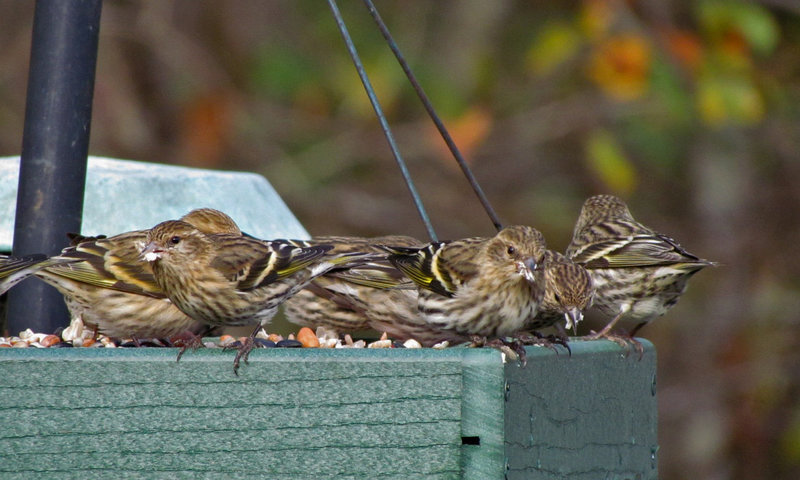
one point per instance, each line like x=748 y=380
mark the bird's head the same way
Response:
x=211 y=221
x=520 y=248
x=599 y=208
x=571 y=288
x=170 y=237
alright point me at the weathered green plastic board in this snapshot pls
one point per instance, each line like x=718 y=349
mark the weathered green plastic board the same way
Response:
x=588 y=417
x=320 y=414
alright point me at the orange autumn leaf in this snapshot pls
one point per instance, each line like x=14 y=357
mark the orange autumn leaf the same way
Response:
x=205 y=129
x=620 y=66
x=686 y=47
x=734 y=43
x=468 y=131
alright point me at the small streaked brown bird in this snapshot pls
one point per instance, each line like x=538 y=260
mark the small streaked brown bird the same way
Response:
x=637 y=273
x=568 y=293
x=16 y=269
x=372 y=295
x=347 y=301
x=229 y=280
x=484 y=287
x=105 y=283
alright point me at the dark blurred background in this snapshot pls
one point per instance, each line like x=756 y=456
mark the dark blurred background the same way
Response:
x=690 y=110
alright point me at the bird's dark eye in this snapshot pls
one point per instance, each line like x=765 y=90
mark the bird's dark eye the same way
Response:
x=511 y=250
x=175 y=240
x=558 y=297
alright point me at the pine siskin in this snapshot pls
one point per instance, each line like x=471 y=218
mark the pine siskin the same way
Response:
x=568 y=292
x=636 y=271
x=16 y=269
x=347 y=301
x=486 y=287
x=372 y=295
x=209 y=220
x=228 y=280
x=105 y=283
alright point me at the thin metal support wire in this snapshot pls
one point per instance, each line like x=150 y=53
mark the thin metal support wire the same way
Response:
x=382 y=118
x=436 y=120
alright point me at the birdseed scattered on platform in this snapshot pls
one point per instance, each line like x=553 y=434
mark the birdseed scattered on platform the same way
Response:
x=79 y=335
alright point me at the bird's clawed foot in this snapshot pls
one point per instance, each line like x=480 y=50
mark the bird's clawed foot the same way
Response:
x=549 y=341
x=623 y=339
x=513 y=349
x=244 y=346
x=186 y=340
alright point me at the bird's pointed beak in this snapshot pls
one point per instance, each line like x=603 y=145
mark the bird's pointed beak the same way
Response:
x=573 y=317
x=526 y=268
x=151 y=252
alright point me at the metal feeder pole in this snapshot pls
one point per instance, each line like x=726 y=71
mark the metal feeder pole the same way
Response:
x=55 y=145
